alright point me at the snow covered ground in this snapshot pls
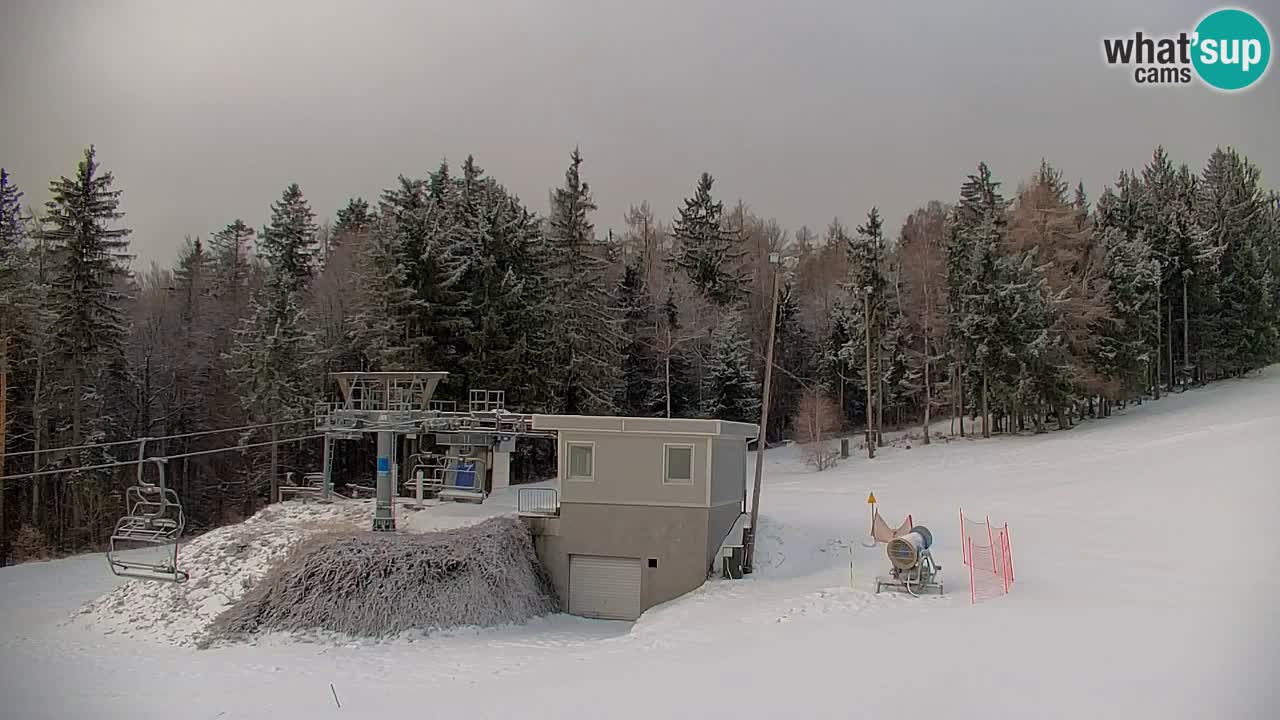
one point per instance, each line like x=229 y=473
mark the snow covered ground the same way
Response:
x=1146 y=548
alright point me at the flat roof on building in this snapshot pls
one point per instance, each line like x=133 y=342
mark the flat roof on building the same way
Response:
x=646 y=425
x=389 y=374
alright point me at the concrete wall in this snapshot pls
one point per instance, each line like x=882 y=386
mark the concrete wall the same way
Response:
x=719 y=522
x=674 y=536
x=728 y=489
x=628 y=468
x=728 y=470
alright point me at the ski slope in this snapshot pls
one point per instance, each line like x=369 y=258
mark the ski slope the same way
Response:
x=1146 y=548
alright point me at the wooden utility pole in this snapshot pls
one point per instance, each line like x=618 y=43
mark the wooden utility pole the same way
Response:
x=986 y=411
x=4 y=414
x=1168 y=341
x=750 y=553
x=275 y=451
x=866 y=333
x=1186 y=344
x=928 y=396
x=879 y=395
x=1156 y=388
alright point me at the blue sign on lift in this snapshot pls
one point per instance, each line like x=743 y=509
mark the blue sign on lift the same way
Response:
x=466 y=476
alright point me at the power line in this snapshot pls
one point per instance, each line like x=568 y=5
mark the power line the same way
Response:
x=194 y=453
x=155 y=439
x=72 y=447
x=232 y=429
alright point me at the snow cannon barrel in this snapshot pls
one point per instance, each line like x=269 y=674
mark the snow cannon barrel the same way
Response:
x=904 y=551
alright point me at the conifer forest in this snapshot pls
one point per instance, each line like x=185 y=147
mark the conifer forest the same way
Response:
x=1023 y=303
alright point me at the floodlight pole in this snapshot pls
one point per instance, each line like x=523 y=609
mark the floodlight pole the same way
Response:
x=748 y=560
x=275 y=466
x=1159 y=275
x=872 y=435
x=1186 y=343
x=4 y=394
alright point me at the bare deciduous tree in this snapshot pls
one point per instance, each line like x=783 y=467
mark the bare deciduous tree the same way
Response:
x=816 y=420
x=685 y=322
x=923 y=283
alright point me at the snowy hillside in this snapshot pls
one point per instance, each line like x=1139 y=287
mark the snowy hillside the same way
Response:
x=1146 y=553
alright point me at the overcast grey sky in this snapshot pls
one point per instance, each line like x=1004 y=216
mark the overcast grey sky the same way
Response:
x=206 y=110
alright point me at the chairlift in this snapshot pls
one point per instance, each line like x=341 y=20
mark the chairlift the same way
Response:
x=462 y=478
x=422 y=476
x=155 y=520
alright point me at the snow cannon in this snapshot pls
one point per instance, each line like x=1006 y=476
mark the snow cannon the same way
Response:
x=904 y=551
x=912 y=566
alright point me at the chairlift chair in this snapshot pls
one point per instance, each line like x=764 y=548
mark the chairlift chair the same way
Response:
x=155 y=519
x=462 y=479
x=422 y=478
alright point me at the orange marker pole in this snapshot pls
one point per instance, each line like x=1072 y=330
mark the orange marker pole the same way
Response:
x=972 y=596
x=871 y=526
x=991 y=543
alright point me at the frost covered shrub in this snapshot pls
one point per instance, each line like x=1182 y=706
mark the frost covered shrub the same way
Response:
x=30 y=544
x=379 y=584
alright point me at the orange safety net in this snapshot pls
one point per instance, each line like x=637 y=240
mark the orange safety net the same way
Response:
x=988 y=552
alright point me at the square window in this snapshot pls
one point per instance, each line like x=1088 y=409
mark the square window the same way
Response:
x=653 y=562
x=678 y=465
x=581 y=461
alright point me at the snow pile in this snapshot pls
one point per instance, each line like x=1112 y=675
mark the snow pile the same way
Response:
x=223 y=564
x=379 y=584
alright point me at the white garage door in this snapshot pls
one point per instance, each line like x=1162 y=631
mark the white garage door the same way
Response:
x=604 y=587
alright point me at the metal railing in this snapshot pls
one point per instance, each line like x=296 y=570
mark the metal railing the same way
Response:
x=312 y=487
x=329 y=416
x=538 y=501
x=487 y=400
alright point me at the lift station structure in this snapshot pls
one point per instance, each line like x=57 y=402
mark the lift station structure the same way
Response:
x=640 y=510
x=457 y=455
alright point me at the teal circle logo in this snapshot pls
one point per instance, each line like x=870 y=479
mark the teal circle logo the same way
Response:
x=1232 y=49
